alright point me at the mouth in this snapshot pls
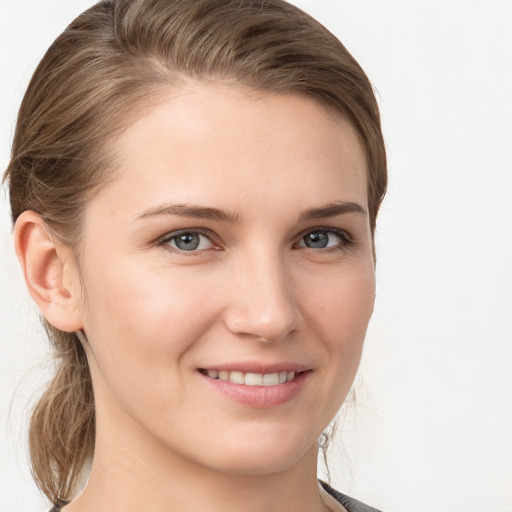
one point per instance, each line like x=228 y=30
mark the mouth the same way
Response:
x=253 y=379
x=256 y=384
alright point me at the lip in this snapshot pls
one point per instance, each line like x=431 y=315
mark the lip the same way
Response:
x=259 y=397
x=258 y=367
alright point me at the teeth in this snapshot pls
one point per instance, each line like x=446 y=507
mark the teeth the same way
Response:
x=271 y=379
x=236 y=378
x=252 y=379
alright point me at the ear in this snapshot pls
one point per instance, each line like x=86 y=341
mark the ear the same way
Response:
x=50 y=273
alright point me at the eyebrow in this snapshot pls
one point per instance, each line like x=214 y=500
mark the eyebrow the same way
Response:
x=332 y=210
x=215 y=214
x=196 y=212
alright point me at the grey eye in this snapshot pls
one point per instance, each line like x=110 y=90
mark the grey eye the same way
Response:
x=322 y=239
x=316 y=240
x=190 y=241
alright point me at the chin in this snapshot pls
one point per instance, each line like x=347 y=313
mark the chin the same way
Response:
x=259 y=465
x=263 y=455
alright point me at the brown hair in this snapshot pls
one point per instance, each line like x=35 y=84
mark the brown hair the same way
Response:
x=121 y=53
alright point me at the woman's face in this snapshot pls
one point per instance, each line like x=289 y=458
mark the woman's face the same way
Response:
x=229 y=279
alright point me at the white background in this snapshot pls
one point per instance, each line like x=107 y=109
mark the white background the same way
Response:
x=431 y=429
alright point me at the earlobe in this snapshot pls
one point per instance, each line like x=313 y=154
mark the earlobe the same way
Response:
x=45 y=267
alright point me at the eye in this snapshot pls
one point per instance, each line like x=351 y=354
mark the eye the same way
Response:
x=187 y=241
x=324 y=239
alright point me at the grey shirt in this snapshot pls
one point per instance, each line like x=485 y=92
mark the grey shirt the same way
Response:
x=350 y=504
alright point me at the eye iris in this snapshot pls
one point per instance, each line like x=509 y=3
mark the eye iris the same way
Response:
x=187 y=241
x=316 y=240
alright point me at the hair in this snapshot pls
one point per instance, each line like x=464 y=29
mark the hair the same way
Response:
x=108 y=64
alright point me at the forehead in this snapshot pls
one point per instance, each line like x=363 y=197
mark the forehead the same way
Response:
x=217 y=143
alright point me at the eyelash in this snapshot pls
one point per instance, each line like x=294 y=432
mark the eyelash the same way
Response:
x=167 y=238
x=345 y=240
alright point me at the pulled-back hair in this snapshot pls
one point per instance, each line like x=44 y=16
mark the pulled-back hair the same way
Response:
x=112 y=61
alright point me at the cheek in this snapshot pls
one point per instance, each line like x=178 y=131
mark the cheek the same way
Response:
x=137 y=299
x=337 y=308
x=142 y=325
x=343 y=300
x=340 y=311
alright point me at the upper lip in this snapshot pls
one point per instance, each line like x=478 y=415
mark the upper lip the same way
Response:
x=258 y=367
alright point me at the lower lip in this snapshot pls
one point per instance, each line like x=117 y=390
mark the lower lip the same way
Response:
x=262 y=397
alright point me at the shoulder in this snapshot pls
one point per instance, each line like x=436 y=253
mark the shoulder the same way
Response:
x=350 y=504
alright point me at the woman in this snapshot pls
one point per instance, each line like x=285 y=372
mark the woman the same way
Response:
x=194 y=186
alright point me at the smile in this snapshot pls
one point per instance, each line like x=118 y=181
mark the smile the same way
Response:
x=257 y=385
x=252 y=379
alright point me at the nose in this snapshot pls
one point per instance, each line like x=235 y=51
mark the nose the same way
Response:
x=263 y=302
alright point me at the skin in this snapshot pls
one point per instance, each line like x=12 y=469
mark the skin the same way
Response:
x=154 y=314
